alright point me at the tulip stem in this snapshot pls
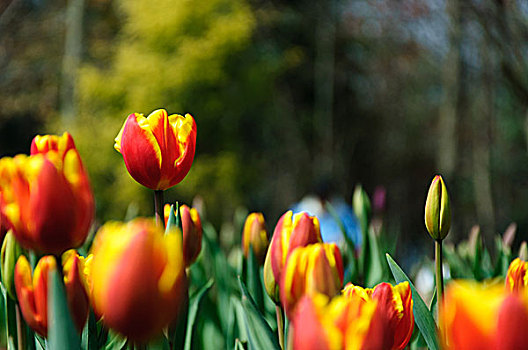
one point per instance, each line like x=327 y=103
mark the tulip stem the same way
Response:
x=439 y=272
x=20 y=331
x=158 y=207
x=280 y=325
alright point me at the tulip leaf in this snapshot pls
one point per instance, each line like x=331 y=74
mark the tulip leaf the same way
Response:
x=61 y=329
x=260 y=335
x=89 y=337
x=253 y=279
x=115 y=341
x=160 y=343
x=194 y=304
x=422 y=316
x=11 y=321
x=239 y=345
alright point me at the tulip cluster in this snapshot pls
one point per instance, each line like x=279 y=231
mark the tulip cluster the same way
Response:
x=46 y=198
x=32 y=291
x=291 y=232
x=339 y=323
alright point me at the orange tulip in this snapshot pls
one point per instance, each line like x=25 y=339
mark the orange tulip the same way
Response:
x=158 y=150
x=256 y=235
x=475 y=316
x=316 y=268
x=323 y=324
x=32 y=292
x=138 y=277
x=517 y=276
x=292 y=231
x=393 y=321
x=46 y=198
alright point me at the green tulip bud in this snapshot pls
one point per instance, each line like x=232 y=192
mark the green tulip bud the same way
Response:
x=437 y=209
x=361 y=206
x=11 y=250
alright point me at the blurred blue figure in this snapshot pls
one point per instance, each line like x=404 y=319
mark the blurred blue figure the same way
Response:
x=330 y=230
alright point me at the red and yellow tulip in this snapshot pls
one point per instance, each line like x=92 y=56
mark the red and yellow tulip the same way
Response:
x=256 y=235
x=517 y=276
x=46 y=197
x=138 y=277
x=323 y=324
x=158 y=150
x=32 y=292
x=393 y=321
x=292 y=231
x=314 y=269
x=475 y=316
x=192 y=232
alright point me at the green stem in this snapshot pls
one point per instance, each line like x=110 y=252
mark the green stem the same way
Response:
x=20 y=329
x=439 y=279
x=158 y=207
x=439 y=272
x=280 y=325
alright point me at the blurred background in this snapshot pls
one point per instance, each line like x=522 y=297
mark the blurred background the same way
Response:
x=290 y=98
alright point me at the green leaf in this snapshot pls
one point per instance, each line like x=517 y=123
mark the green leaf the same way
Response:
x=61 y=330
x=253 y=280
x=12 y=340
x=239 y=345
x=260 y=335
x=89 y=339
x=194 y=304
x=422 y=316
x=160 y=343
x=374 y=267
x=115 y=341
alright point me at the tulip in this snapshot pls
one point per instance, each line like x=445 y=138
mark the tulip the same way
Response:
x=292 y=231
x=393 y=321
x=158 y=150
x=323 y=324
x=475 y=316
x=138 y=277
x=46 y=199
x=256 y=235
x=437 y=209
x=517 y=276
x=316 y=268
x=44 y=144
x=192 y=232
x=32 y=292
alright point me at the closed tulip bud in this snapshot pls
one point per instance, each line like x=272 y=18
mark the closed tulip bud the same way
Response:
x=393 y=321
x=361 y=206
x=47 y=200
x=314 y=269
x=475 y=316
x=255 y=235
x=292 y=231
x=138 y=277
x=517 y=276
x=11 y=250
x=340 y=323
x=32 y=291
x=192 y=234
x=158 y=150
x=437 y=209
